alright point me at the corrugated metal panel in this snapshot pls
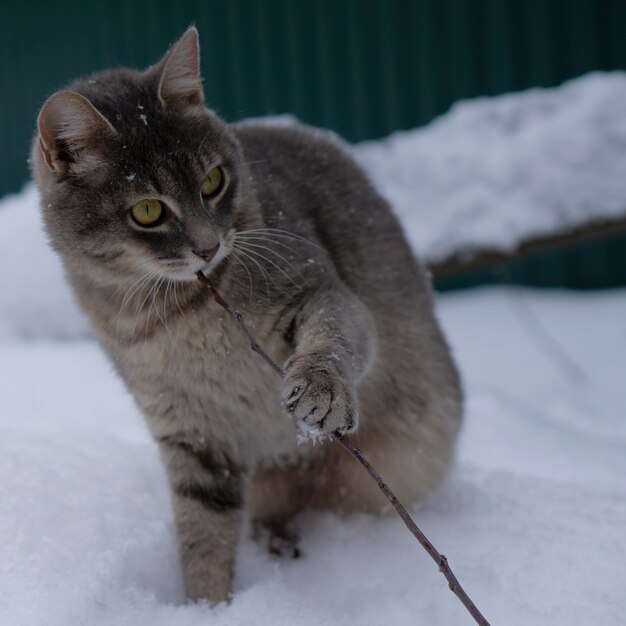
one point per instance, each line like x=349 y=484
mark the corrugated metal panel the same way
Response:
x=361 y=67
x=584 y=265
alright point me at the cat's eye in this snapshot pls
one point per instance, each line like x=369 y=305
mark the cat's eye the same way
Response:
x=147 y=212
x=212 y=184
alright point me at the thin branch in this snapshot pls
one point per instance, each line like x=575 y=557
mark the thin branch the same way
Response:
x=435 y=555
x=238 y=317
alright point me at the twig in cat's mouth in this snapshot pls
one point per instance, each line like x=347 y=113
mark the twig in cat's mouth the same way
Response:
x=439 y=558
x=239 y=320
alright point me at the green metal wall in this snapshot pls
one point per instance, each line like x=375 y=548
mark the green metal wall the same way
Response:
x=361 y=67
x=593 y=264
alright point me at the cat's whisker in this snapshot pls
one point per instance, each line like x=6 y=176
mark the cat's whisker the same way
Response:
x=123 y=284
x=126 y=297
x=254 y=162
x=279 y=232
x=240 y=281
x=183 y=314
x=245 y=237
x=263 y=271
x=139 y=310
x=139 y=289
x=151 y=299
x=153 y=291
x=245 y=267
x=148 y=263
x=170 y=292
x=155 y=306
x=176 y=301
x=269 y=249
x=167 y=288
x=239 y=256
x=176 y=298
x=136 y=287
x=262 y=256
x=131 y=291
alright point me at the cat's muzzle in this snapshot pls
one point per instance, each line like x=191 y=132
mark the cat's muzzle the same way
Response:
x=208 y=254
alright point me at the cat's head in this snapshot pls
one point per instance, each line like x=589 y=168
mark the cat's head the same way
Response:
x=137 y=175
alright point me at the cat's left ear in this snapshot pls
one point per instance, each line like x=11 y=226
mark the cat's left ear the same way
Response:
x=71 y=130
x=180 y=80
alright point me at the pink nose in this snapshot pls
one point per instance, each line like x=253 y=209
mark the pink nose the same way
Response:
x=207 y=255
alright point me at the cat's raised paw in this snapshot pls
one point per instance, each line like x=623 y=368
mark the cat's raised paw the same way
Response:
x=319 y=398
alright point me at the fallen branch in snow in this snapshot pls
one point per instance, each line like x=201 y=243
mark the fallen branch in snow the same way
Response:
x=439 y=558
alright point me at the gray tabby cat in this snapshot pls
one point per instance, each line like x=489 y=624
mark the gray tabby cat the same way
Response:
x=142 y=187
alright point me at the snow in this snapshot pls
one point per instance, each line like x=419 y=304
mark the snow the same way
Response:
x=531 y=519
x=493 y=172
x=35 y=301
x=532 y=516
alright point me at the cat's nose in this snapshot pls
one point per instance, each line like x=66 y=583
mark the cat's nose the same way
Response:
x=208 y=254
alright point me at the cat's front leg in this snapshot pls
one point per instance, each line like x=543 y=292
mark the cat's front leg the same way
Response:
x=334 y=348
x=207 y=492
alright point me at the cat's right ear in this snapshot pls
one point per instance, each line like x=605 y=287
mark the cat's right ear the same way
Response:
x=180 y=80
x=70 y=127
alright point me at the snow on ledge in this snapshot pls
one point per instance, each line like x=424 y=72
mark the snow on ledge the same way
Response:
x=494 y=172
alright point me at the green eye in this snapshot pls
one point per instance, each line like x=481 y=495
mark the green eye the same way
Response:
x=212 y=183
x=147 y=212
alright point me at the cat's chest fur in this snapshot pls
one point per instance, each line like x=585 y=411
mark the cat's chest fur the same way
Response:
x=194 y=375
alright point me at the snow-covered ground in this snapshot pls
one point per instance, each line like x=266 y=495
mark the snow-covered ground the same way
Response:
x=533 y=517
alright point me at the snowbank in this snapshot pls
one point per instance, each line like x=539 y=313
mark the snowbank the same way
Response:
x=496 y=171
x=532 y=519
x=35 y=300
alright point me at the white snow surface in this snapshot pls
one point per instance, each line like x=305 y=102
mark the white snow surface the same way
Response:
x=35 y=300
x=532 y=518
x=494 y=172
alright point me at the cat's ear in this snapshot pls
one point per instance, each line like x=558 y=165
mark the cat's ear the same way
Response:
x=180 y=80
x=69 y=127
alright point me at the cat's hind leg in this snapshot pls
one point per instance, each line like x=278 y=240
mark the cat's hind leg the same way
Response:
x=410 y=466
x=274 y=497
x=411 y=460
